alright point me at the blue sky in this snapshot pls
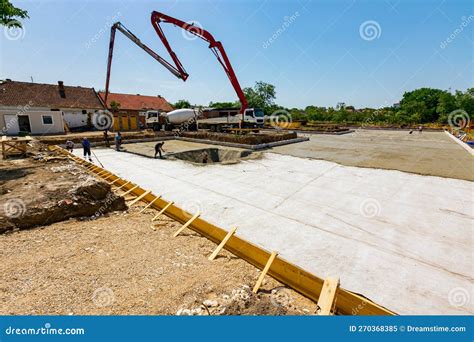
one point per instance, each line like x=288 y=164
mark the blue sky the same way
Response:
x=321 y=56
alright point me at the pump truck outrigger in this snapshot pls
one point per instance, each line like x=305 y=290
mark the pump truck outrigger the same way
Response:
x=248 y=117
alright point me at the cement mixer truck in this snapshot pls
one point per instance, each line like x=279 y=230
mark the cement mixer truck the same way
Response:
x=247 y=117
x=178 y=118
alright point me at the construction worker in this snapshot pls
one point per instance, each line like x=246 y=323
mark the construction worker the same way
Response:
x=159 y=149
x=69 y=146
x=106 y=138
x=118 y=141
x=205 y=157
x=86 y=145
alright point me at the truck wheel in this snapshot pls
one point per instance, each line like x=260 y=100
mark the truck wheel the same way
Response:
x=192 y=127
x=157 y=127
x=168 y=127
x=213 y=128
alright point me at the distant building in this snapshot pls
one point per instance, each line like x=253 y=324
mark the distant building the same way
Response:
x=132 y=109
x=39 y=108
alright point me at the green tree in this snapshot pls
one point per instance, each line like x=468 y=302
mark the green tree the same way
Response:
x=422 y=103
x=465 y=101
x=262 y=95
x=10 y=14
x=114 y=106
x=182 y=104
x=220 y=105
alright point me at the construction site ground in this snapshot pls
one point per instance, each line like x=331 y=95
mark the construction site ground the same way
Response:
x=426 y=153
x=120 y=264
x=170 y=147
x=402 y=239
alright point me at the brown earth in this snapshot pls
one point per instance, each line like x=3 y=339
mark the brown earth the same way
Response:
x=247 y=139
x=36 y=192
x=99 y=262
x=118 y=264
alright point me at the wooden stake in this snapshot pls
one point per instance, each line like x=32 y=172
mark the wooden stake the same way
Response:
x=120 y=187
x=187 y=224
x=149 y=205
x=108 y=176
x=139 y=198
x=221 y=245
x=264 y=272
x=162 y=211
x=129 y=191
x=115 y=181
x=327 y=297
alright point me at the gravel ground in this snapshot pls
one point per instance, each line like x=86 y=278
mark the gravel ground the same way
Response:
x=118 y=264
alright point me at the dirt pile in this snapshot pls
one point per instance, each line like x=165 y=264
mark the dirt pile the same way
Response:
x=37 y=193
x=246 y=139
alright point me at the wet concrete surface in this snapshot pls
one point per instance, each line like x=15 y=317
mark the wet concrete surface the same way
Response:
x=426 y=153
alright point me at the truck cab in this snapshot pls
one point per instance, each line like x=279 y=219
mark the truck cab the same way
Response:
x=152 y=120
x=253 y=117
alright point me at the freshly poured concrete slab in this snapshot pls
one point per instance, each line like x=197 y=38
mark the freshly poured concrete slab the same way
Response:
x=427 y=153
x=170 y=147
x=403 y=240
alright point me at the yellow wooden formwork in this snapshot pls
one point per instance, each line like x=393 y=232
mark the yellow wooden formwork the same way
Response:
x=347 y=303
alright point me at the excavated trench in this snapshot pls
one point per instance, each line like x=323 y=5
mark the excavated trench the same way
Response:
x=214 y=155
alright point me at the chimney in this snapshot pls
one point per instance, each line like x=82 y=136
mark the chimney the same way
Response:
x=62 y=92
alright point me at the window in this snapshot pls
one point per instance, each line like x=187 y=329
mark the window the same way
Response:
x=47 y=120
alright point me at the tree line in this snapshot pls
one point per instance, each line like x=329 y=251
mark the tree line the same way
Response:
x=420 y=106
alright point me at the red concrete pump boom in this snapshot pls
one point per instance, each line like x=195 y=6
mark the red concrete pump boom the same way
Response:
x=216 y=47
x=177 y=69
x=180 y=73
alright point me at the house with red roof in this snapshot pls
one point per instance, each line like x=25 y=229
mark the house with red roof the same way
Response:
x=129 y=110
x=39 y=108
